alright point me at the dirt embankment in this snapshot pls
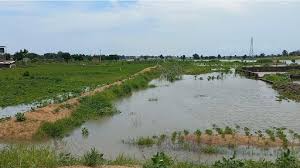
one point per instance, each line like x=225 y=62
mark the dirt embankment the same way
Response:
x=13 y=130
x=237 y=139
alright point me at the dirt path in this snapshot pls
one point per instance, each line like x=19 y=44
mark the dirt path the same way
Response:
x=12 y=130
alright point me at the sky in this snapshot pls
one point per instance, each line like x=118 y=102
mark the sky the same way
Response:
x=151 y=27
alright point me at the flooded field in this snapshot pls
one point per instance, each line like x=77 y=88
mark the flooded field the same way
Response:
x=190 y=104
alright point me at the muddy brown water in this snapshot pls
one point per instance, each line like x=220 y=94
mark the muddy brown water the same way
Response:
x=186 y=104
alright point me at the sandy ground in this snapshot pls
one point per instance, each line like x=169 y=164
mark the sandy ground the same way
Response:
x=12 y=130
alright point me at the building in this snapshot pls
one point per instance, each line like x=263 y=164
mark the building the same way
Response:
x=3 y=62
x=2 y=52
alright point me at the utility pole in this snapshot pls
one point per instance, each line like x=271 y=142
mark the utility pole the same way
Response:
x=100 y=56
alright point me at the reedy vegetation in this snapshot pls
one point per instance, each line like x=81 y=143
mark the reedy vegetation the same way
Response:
x=29 y=157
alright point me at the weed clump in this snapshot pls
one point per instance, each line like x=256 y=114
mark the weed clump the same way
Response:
x=147 y=141
x=20 y=117
x=84 y=132
x=160 y=160
x=92 y=158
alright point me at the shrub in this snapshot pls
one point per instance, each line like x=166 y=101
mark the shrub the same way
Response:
x=186 y=132
x=173 y=136
x=228 y=130
x=52 y=130
x=20 y=117
x=229 y=163
x=145 y=141
x=210 y=149
x=92 y=158
x=271 y=134
x=287 y=160
x=84 y=131
x=247 y=131
x=208 y=132
x=160 y=160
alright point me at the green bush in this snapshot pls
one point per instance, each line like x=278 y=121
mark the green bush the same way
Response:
x=160 y=160
x=20 y=117
x=287 y=160
x=229 y=163
x=145 y=141
x=84 y=131
x=92 y=158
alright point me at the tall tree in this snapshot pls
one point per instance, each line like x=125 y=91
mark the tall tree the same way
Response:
x=196 y=56
x=285 y=53
x=20 y=55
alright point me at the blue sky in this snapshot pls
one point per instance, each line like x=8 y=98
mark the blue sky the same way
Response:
x=151 y=27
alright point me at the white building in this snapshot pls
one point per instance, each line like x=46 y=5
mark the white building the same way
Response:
x=3 y=62
x=2 y=50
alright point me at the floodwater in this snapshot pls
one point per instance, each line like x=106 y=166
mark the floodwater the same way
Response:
x=186 y=104
x=288 y=62
x=12 y=110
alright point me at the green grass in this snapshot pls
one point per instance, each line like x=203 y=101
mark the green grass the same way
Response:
x=145 y=141
x=45 y=157
x=210 y=149
x=28 y=157
x=124 y=160
x=283 y=84
x=95 y=106
x=42 y=81
x=277 y=78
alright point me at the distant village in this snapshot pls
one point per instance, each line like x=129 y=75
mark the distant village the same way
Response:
x=8 y=60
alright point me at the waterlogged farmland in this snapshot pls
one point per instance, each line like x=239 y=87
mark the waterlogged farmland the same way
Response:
x=195 y=112
x=40 y=82
x=194 y=102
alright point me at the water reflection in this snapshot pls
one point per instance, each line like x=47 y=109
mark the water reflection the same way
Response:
x=187 y=104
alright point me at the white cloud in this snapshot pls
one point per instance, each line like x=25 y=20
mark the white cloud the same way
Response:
x=145 y=26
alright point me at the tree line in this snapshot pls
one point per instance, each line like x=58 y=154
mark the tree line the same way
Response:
x=67 y=57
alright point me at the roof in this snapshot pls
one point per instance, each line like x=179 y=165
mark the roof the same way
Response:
x=2 y=46
x=7 y=62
